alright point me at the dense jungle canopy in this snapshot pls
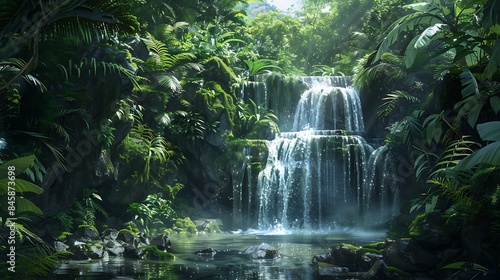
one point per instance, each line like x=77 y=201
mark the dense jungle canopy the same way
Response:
x=119 y=112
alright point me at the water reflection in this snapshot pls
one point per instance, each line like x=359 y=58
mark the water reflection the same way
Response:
x=228 y=263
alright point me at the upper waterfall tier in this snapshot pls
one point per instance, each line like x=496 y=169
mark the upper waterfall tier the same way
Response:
x=329 y=108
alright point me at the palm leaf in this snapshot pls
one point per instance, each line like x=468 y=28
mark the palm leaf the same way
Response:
x=431 y=33
x=169 y=81
x=469 y=83
x=406 y=23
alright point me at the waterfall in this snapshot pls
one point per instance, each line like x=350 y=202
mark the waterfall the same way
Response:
x=382 y=194
x=316 y=172
x=312 y=180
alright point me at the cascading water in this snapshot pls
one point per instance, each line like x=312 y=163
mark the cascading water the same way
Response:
x=380 y=185
x=315 y=176
x=320 y=171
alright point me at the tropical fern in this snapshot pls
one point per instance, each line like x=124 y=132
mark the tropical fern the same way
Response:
x=392 y=99
x=37 y=261
x=157 y=148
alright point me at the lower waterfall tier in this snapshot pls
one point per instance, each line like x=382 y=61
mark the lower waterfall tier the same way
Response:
x=313 y=180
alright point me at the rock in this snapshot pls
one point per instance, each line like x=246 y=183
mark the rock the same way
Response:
x=206 y=252
x=367 y=261
x=86 y=234
x=96 y=251
x=60 y=247
x=125 y=236
x=324 y=258
x=338 y=271
x=162 y=242
x=209 y=225
x=118 y=251
x=263 y=251
x=431 y=232
x=345 y=255
x=407 y=255
x=377 y=272
x=185 y=225
x=110 y=233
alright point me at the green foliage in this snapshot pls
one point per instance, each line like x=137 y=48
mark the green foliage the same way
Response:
x=261 y=66
x=453 y=25
x=185 y=225
x=406 y=131
x=391 y=100
x=35 y=262
x=254 y=120
x=154 y=212
x=83 y=212
x=12 y=188
x=468 y=266
x=490 y=154
x=152 y=252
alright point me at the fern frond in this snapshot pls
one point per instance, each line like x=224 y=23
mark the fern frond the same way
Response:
x=391 y=101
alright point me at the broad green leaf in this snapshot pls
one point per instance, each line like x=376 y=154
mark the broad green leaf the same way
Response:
x=428 y=34
x=489 y=131
x=421 y=7
x=20 y=186
x=495 y=103
x=469 y=83
x=494 y=61
x=489 y=154
x=21 y=164
x=24 y=205
x=456 y=265
x=408 y=22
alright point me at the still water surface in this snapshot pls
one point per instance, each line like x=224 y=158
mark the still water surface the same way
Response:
x=297 y=250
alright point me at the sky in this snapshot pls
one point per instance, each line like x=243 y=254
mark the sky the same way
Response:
x=284 y=4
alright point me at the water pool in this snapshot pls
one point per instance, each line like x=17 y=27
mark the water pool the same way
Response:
x=296 y=250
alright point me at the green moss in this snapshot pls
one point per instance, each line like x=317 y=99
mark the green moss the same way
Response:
x=63 y=235
x=185 y=225
x=88 y=226
x=350 y=246
x=414 y=227
x=152 y=252
x=325 y=265
x=376 y=245
x=131 y=228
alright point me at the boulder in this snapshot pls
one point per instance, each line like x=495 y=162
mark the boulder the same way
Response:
x=110 y=234
x=262 y=251
x=323 y=258
x=86 y=234
x=377 y=272
x=431 y=232
x=408 y=255
x=60 y=247
x=345 y=255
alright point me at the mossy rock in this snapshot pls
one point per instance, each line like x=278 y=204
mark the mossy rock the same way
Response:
x=152 y=252
x=185 y=225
